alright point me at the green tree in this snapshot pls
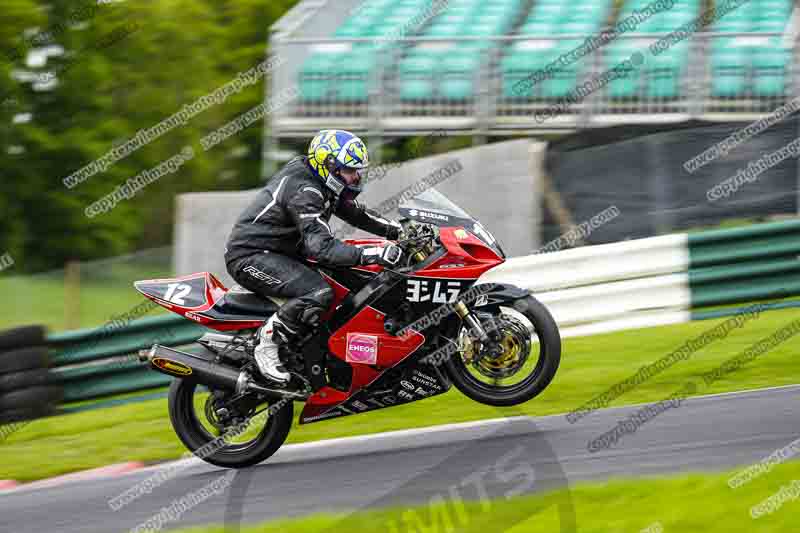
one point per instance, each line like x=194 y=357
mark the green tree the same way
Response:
x=126 y=67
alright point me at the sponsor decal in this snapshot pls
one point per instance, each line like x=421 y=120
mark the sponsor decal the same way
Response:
x=438 y=292
x=406 y=396
x=361 y=406
x=461 y=234
x=452 y=265
x=425 y=376
x=192 y=316
x=481 y=300
x=173 y=367
x=428 y=214
x=426 y=380
x=361 y=349
x=177 y=292
x=263 y=276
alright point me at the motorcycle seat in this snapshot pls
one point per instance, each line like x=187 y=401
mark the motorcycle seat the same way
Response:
x=240 y=301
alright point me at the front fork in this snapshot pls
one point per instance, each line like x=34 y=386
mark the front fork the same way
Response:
x=489 y=341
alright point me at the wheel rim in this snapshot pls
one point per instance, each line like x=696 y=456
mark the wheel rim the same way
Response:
x=520 y=363
x=200 y=410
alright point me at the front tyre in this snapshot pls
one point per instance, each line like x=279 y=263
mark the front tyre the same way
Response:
x=249 y=442
x=531 y=353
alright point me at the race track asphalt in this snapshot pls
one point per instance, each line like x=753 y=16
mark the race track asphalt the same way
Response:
x=497 y=458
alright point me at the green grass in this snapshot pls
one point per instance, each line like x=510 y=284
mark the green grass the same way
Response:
x=686 y=504
x=42 y=301
x=590 y=365
x=106 y=289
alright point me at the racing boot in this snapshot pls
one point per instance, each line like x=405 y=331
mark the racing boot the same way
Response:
x=271 y=335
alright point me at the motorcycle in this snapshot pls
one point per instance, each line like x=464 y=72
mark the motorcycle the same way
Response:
x=392 y=336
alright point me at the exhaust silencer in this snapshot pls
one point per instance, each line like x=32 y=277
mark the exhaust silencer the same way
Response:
x=188 y=366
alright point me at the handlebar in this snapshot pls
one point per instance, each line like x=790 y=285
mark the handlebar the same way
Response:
x=419 y=238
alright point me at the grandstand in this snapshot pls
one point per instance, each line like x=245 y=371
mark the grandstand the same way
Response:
x=486 y=67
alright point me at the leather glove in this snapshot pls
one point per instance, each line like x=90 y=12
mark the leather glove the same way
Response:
x=387 y=256
x=395 y=232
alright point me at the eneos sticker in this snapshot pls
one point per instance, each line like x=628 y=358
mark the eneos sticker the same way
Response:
x=361 y=349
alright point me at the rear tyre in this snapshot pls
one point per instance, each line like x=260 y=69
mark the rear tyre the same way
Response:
x=488 y=383
x=195 y=435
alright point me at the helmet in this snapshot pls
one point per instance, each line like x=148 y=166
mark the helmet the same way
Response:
x=331 y=151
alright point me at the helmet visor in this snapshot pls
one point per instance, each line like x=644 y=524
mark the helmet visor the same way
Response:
x=352 y=176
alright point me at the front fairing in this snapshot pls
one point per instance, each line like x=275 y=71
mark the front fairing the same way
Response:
x=432 y=207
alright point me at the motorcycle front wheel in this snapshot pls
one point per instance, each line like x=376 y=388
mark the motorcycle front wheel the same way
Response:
x=247 y=440
x=524 y=367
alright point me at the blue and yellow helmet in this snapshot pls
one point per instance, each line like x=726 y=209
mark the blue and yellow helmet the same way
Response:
x=332 y=150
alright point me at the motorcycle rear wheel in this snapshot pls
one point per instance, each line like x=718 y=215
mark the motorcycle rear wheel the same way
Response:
x=200 y=439
x=487 y=382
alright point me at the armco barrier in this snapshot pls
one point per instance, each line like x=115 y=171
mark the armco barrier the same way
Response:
x=661 y=280
x=589 y=290
x=102 y=362
x=744 y=264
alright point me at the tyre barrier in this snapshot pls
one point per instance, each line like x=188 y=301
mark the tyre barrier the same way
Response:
x=27 y=390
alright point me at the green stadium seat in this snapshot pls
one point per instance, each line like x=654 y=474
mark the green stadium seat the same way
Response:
x=734 y=25
x=458 y=74
x=348 y=32
x=352 y=89
x=416 y=75
x=769 y=71
x=416 y=89
x=589 y=18
x=516 y=68
x=537 y=28
x=770 y=25
x=777 y=9
x=628 y=86
x=317 y=76
x=729 y=72
x=549 y=12
x=479 y=30
x=443 y=30
x=549 y=18
x=354 y=75
x=460 y=62
x=664 y=71
x=458 y=87
x=457 y=19
x=418 y=62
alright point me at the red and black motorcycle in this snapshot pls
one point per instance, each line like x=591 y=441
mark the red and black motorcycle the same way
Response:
x=392 y=336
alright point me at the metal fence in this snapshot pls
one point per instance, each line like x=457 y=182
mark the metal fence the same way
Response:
x=491 y=110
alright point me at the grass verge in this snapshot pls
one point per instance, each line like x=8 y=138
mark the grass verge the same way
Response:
x=689 y=503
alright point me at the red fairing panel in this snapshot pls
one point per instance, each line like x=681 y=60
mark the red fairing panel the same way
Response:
x=195 y=292
x=468 y=257
x=369 y=350
x=365 y=345
x=339 y=293
x=190 y=296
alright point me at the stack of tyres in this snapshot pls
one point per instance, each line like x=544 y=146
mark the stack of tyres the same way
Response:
x=27 y=390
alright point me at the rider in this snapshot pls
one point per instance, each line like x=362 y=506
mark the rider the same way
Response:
x=288 y=221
